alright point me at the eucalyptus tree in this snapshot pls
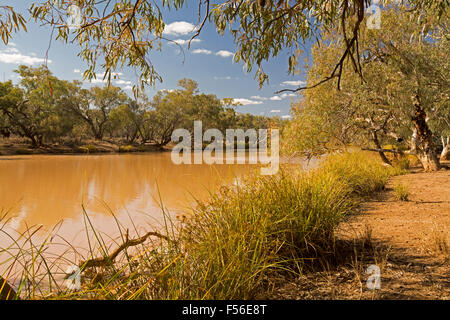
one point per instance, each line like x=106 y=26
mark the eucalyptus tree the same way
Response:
x=32 y=108
x=127 y=120
x=402 y=97
x=94 y=105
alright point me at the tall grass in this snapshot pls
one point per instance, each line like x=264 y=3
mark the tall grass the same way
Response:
x=229 y=246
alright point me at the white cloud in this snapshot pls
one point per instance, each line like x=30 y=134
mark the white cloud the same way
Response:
x=120 y=82
x=113 y=74
x=12 y=55
x=179 y=28
x=258 y=98
x=286 y=117
x=224 y=53
x=183 y=42
x=286 y=95
x=128 y=88
x=246 y=102
x=293 y=83
x=11 y=50
x=275 y=98
x=99 y=80
x=76 y=71
x=222 y=78
x=275 y=111
x=202 y=51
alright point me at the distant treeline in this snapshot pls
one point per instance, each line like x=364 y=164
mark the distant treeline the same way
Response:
x=45 y=109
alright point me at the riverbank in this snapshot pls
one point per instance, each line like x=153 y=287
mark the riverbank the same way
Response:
x=228 y=247
x=295 y=235
x=409 y=240
x=17 y=146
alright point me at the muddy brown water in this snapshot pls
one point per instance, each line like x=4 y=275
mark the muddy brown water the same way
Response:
x=51 y=190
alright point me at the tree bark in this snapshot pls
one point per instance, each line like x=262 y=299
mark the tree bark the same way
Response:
x=423 y=140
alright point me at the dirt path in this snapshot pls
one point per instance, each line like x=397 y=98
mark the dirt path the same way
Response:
x=408 y=240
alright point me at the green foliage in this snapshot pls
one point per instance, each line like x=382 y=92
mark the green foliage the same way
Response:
x=10 y=21
x=32 y=108
x=46 y=109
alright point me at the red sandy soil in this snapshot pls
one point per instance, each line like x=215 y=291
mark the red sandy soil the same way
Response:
x=408 y=240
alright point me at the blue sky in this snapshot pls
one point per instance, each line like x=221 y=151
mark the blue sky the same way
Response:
x=209 y=61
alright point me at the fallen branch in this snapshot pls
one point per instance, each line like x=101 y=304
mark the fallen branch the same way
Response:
x=109 y=259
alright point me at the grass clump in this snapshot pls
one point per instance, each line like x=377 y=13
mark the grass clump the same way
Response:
x=401 y=192
x=232 y=244
x=362 y=172
x=267 y=224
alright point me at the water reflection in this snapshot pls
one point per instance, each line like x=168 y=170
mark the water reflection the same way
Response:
x=47 y=189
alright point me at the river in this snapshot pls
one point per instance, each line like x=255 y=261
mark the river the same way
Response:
x=52 y=190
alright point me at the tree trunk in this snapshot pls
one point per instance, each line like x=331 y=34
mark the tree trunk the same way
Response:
x=378 y=145
x=36 y=141
x=445 y=154
x=423 y=138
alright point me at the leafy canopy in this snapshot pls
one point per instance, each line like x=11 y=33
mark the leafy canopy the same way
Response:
x=123 y=32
